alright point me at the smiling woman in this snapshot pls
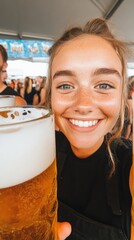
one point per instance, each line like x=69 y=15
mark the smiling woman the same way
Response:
x=87 y=93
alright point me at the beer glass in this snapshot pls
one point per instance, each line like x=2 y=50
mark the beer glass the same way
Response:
x=7 y=100
x=28 y=200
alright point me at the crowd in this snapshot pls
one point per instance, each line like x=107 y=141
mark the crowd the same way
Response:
x=33 y=90
x=27 y=91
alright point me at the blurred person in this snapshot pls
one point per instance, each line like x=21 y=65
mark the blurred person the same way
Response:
x=130 y=86
x=29 y=92
x=4 y=77
x=19 y=88
x=4 y=89
x=127 y=130
x=40 y=98
x=12 y=84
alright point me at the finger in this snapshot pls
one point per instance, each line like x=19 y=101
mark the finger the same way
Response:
x=64 y=230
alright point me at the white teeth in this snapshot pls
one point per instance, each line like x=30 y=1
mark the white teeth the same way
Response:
x=83 y=123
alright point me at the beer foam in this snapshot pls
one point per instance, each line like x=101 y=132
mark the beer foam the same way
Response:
x=27 y=143
x=18 y=115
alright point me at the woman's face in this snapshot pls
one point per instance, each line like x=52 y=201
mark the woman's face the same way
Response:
x=86 y=91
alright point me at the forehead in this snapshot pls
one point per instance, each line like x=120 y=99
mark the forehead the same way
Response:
x=86 y=38
x=87 y=50
x=84 y=42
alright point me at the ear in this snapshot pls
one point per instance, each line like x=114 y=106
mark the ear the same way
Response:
x=5 y=65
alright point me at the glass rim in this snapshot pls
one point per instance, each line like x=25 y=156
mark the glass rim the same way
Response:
x=7 y=96
x=47 y=115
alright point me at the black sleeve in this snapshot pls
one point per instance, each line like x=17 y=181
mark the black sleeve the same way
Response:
x=9 y=91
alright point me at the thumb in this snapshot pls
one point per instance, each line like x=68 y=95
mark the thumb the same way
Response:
x=64 y=230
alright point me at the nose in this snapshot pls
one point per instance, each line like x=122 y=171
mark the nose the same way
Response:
x=85 y=101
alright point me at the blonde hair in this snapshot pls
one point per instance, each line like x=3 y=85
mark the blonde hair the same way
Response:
x=28 y=84
x=99 y=27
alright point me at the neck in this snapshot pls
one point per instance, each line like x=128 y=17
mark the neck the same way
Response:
x=84 y=153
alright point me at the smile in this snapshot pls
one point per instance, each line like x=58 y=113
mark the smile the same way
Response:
x=85 y=124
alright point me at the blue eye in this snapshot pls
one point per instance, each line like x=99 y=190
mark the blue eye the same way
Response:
x=64 y=86
x=104 y=86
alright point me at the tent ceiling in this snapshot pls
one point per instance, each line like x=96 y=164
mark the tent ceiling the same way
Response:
x=48 y=18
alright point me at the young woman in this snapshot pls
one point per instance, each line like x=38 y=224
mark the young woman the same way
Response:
x=29 y=92
x=40 y=98
x=87 y=92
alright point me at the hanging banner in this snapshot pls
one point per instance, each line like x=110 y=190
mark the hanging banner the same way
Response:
x=26 y=49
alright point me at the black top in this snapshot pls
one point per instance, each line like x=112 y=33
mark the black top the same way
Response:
x=38 y=93
x=83 y=182
x=9 y=91
x=29 y=96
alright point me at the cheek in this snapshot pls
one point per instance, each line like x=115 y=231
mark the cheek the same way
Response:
x=57 y=104
x=55 y=109
x=112 y=108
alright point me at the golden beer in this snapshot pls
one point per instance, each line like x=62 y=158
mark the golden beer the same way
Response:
x=28 y=189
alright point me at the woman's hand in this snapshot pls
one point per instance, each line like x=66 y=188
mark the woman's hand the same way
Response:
x=64 y=230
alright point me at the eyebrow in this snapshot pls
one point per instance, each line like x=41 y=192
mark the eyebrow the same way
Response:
x=107 y=71
x=63 y=73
